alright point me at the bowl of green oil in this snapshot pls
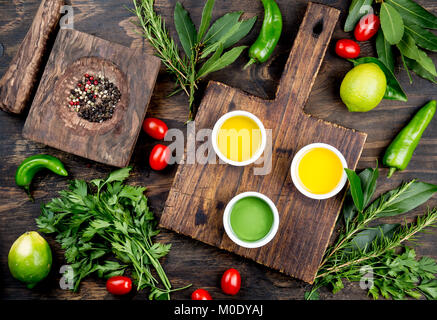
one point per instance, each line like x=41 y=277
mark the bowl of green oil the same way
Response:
x=251 y=219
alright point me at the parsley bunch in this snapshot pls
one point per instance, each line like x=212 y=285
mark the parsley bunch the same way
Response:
x=113 y=221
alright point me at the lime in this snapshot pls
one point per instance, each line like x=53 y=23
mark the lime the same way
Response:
x=363 y=87
x=30 y=258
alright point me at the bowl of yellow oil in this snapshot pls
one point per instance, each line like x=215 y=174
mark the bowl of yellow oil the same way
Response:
x=239 y=138
x=317 y=171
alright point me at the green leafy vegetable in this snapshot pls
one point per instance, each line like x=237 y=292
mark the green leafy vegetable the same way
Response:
x=391 y=23
x=114 y=222
x=357 y=9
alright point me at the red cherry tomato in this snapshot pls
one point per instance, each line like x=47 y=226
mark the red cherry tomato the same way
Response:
x=155 y=128
x=367 y=27
x=159 y=157
x=347 y=49
x=119 y=285
x=201 y=294
x=231 y=281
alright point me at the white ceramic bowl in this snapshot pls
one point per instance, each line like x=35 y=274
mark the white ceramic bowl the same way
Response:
x=298 y=183
x=227 y=221
x=219 y=124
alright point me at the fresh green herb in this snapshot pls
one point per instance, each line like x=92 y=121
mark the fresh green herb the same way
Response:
x=391 y=23
x=204 y=48
x=114 y=221
x=404 y=25
x=369 y=253
x=385 y=51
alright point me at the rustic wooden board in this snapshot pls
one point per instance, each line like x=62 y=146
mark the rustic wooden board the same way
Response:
x=191 y=261
x=200 y=192
x=52 y=123
x=18 y=83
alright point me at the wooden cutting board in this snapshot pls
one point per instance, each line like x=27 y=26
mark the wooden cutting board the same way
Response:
x=18 y=83
x=51 y=122
x=200 y=192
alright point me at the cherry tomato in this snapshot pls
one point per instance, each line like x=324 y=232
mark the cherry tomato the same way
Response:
x=347 y=49
x=155 y=128
x=367 y=27
x=201 y=294
x=159 y=157
x=231 y=281
x=119 y=285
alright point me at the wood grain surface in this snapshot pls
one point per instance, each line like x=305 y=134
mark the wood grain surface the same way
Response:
x=191 y=261
x=52 y=122
x=18 y=83
x=201 y=191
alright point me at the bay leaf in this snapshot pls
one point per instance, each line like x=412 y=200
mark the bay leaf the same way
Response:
x=385 y=51
x=206 y=19
x=391 y=23
x=424 y=38
x=414 y=13
x=185 y=28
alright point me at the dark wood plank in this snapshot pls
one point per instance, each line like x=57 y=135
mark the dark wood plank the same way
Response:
x=305 y=225
x=191 y=261
x=52 y=122
x=18 y=83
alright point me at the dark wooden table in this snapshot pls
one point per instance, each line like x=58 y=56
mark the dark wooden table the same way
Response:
x=191 y=261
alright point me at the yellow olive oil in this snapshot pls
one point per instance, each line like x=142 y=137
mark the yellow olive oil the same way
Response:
x=320 y=170
x=239 y=138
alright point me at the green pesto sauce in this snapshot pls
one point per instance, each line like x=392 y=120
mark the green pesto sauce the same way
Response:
x=251 y=219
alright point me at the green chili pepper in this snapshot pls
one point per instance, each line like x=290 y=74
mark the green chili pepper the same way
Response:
x=30 y=166
x=269 y=36
x=400 y=151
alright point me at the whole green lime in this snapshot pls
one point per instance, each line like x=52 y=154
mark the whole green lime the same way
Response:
x=363 y=87
x=30 y=259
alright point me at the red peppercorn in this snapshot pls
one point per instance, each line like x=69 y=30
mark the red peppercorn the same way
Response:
x=95 y=96
x=86 y=89
x=96 y=82
x=91 y=78
x=87 y=75
x=71 y=103
x=88 y=82
x=79 y=84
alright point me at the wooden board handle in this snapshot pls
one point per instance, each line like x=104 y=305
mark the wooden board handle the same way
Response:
x=311 y=43
x=18 y=82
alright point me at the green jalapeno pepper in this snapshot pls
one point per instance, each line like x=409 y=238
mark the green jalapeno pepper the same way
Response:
x=31 y=165
x=269 y=36
x=400 y=151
